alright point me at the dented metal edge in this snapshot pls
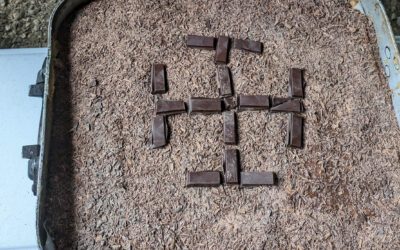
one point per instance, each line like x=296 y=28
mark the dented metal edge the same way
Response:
x=388 y=48
x=62 y=10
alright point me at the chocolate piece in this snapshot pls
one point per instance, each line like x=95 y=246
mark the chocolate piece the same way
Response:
x=158 y=79
x=231 y=166
x=275 y=101
x=224 y=81
x=203 y=179
x=159 y=131
x=230 y=135
x=164 y=107
x=295 y=131
x=229 y=103
x=200 y=42
x=204 y=105
x=296 y=85
x=253 y=102
x=248 y=45
x=257 y=178
x=222 y=51
x=290 y=105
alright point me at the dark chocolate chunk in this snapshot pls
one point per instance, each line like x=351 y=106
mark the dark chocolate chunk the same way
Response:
x=275 y=101
x=204 y=105
x=248 y=45
x=230 y=128
x=222 y=51
x=158 y=79
x=290 y=105
x=253 y=102
x=164 y=107
x=231 y=166
x=257 y=178
x=229 y=103
x=203 y=179
x=295 y=131
x=224 y=81
x=159 y=131
x=200 y=42
x=296 y=84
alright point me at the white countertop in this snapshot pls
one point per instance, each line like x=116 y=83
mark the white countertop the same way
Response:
x=19 y=124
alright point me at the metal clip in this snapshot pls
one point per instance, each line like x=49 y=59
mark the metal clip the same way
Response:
x=37 y=90
x=30 y=151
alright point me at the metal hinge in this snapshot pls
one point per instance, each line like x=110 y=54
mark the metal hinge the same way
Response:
x=30 y=151
x=33 y=166
x=37 y=90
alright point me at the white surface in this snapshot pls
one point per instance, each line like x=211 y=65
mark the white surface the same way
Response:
x=19 y=124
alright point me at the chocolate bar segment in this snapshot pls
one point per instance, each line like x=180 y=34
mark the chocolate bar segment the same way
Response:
x=158 y=79
x=295 y=131
x=166 y=107
x=204 y=105
x=203 y=179
x=296 y=84
x=200 y=42
x=230 y=128
x=222 y=51
x=231 y=166
x=224 y=81
x=159 y=131
x=253 y=102
x=290 y=105
x=248 y=45
x=257 y=178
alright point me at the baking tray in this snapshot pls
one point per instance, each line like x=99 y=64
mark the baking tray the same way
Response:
x=388 y=51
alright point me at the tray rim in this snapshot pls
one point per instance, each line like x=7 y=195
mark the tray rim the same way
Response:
x=371 y=8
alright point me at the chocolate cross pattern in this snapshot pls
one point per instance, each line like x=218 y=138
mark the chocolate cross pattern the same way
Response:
x=225 y=104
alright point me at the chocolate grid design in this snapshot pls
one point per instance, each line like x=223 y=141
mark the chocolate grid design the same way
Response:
x=231 y=160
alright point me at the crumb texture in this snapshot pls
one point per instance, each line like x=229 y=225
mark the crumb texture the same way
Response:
x=108 y=189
